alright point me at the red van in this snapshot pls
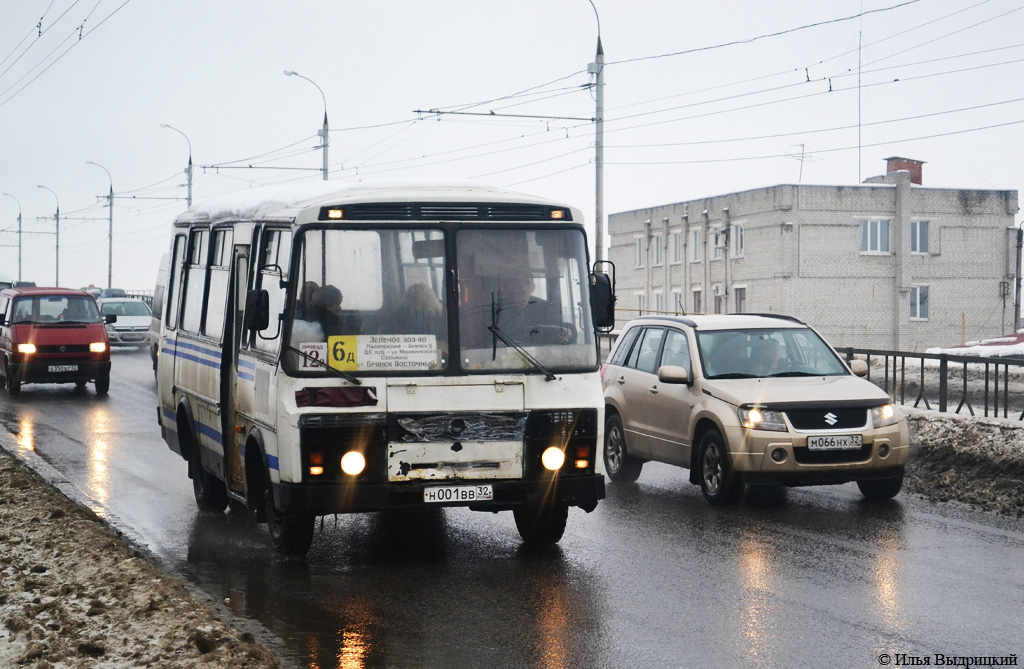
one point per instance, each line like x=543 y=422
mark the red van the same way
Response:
x=52 y=335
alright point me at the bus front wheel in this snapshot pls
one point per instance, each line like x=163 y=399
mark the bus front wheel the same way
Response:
x=541 y=524
x=291 y=533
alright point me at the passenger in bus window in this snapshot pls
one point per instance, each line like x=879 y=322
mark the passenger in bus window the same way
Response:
x=304 y=303
x=328 y=311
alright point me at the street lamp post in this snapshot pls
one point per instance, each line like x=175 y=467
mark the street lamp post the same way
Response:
x=188 y=170
x=110 y=229
x=323 y=131
x=19 y=232
x=56 y=219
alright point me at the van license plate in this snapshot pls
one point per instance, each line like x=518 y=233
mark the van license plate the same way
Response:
x=457 y=493
x=837 y=442
x=63 y=368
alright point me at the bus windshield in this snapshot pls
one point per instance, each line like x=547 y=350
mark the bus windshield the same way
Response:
x=523 y=300
x=376 y=301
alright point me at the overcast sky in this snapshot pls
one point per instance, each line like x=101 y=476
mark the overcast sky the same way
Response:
x=701 y=98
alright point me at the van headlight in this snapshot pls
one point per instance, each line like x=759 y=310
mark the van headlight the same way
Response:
x=885 y=415
x=759 y=418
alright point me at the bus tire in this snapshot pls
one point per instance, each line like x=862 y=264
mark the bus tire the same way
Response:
x=541 y=524
x=291 y=533
x=210 y=492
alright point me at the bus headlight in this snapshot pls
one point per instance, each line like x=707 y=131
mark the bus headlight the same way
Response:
x=353 y=463
x=553 y=458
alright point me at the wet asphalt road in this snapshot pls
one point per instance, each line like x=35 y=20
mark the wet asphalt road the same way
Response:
x=654 y=577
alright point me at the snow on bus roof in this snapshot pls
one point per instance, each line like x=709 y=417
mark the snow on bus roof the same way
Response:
x=286 y=201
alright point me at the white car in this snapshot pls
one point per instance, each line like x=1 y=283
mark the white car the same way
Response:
x=133 y=320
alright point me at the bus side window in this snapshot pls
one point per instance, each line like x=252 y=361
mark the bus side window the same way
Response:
x=174 y=276
x=193 y=298
x=216 y=302
x=275 y=251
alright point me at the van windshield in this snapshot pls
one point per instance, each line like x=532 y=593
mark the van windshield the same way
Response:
x=55 y=309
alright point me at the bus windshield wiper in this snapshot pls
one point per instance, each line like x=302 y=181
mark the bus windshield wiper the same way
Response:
x=317 y=361
x=513 y=344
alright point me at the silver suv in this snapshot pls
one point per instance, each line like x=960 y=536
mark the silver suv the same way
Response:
x=747 y=398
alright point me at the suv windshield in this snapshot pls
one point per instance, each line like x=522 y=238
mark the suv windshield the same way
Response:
x=55 y=309
x=125 y=308
x=766 y=352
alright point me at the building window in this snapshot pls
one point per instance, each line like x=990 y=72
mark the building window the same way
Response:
x=640 y=252
x=659 y=303
x=697 y=304
x=719 y=303
x=719 y=239
x=696 y=254
x=919 y=303
x=737 y=241
x=740 y=299
x=677 y=302
x=874 y=236
x=641 y=304
x=658 y=252
x=919 y=237
x=677 y=248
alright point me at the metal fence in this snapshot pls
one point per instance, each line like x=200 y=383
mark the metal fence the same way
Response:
x=938 y=381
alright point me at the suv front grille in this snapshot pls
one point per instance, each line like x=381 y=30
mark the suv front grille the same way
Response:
x=825 y=418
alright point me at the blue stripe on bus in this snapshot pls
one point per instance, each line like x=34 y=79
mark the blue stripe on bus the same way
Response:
x=193 y=358
x=272 y=461
x=247 y=377
x=210 y=432
x=248 y=364
x=196 y=347
x=170 y=415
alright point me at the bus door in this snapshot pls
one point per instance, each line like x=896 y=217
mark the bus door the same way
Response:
x=167 y=342
x=237 y=377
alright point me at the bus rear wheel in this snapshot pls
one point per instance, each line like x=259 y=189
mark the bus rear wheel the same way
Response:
x=210 y=492
x=291 y=533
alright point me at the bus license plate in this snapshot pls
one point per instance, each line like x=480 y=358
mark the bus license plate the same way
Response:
x=457 y=493
x=63 y=368
x=836 y=442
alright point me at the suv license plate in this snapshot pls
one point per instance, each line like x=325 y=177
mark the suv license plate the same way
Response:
x=457 y=493
x=838 y=442
x=63 y=368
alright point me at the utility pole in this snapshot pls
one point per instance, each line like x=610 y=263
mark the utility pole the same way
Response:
x=56 y=219
x=1016 y=273
x=110 y=230
x=597 y=68
x=19 y=234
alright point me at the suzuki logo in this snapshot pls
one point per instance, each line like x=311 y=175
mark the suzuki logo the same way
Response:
x=831 y=418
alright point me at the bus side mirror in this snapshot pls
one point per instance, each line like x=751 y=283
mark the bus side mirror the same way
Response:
x=257 y=310
x=602 y=300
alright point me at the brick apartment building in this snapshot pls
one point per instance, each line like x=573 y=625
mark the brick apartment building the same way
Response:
x=886 y=264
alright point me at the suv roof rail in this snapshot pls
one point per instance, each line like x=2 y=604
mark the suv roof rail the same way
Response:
x=771 y=315
x=681 y=318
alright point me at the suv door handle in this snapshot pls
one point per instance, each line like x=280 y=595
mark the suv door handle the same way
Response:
x=653 y=390
x=621 y=380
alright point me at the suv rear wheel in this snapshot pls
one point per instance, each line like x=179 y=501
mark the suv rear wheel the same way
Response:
x=719 y=483
x=620 y=465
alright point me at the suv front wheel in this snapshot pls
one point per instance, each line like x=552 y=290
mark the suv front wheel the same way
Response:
x=620 y=465
x=719 y=483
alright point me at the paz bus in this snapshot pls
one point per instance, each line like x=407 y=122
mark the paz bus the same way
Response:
x=328 y=349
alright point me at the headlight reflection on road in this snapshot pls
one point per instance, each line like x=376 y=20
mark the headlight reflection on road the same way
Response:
x=26 y=435
x=98 y=476
x=756 y=615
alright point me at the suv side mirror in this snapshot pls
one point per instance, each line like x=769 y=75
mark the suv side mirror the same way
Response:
x=109 y=319
x=673 y=374
x=257 y=310
x=859 y=367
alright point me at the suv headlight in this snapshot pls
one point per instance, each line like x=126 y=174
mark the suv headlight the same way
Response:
x=758 y=418
x=885 y=415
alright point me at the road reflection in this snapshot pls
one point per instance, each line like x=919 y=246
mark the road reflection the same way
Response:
x=403 y=589
x=97 y=444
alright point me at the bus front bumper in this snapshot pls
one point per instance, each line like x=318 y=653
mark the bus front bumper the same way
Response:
x=320 y=499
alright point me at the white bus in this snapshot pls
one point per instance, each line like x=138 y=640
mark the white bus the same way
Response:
x=372 y=348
